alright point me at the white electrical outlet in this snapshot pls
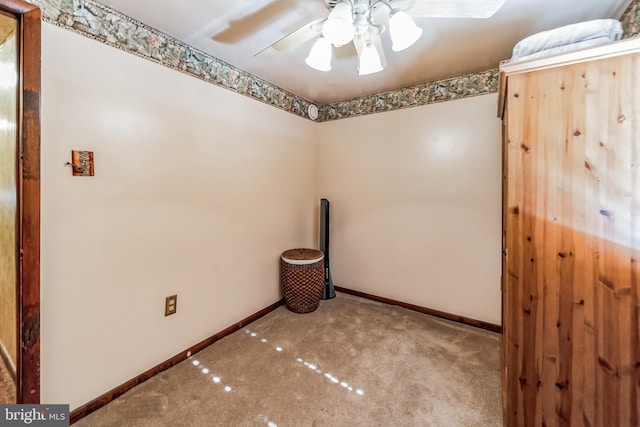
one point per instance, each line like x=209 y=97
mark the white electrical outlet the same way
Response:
x=170 y=305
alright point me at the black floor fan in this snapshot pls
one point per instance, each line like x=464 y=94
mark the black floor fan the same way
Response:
x=328 y=292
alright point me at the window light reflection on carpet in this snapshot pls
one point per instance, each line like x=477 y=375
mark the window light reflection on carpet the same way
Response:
x=312 y=367
x=214 y=378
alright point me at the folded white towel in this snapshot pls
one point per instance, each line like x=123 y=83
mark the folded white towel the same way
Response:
x=610 y=29
x=566 y=48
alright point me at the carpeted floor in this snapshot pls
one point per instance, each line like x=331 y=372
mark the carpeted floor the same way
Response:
x=7 y=384
x=353 y=362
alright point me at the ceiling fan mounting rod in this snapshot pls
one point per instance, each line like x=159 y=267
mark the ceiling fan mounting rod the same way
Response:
x=366 y=5
x=361 y=16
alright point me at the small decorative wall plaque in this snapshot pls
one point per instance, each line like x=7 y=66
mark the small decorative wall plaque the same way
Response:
x=82 y=163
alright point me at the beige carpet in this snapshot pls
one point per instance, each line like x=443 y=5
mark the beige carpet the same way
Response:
x=352 y=362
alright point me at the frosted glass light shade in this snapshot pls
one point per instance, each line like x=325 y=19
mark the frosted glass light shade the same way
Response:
x=338 y=28
x=320 y=55
x=403 y=30
x=369 y=61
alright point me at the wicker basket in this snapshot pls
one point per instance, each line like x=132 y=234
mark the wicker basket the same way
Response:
x=302 y=279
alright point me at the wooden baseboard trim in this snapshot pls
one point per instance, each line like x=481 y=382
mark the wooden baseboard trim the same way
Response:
x=107 y=397
x=437 y=313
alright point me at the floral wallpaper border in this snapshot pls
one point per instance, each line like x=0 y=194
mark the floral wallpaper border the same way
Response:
x=631 y=20
x=449 y=89
x=101 y=23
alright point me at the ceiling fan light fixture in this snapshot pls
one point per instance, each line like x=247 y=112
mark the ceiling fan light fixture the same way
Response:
x=338 y=28
x=320 y=55
x=369 y=61
x=403 y=30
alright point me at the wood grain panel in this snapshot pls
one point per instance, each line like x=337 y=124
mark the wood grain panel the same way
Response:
x=8 y=189
x=29 y=189
x=571 y=346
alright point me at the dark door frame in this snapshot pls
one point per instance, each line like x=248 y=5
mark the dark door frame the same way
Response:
x=28 y=199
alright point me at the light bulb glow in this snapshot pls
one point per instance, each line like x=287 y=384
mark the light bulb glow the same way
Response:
x=369 y=60
x=403 y=30
x=338 y=28
x=320 y=55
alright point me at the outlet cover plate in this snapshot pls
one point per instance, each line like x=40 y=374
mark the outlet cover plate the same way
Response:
x=170 y=305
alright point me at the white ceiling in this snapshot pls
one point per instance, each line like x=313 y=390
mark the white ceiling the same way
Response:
x=234 y=31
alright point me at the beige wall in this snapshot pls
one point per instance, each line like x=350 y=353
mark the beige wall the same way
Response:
x=197 y=192
x=8 y=141
x=415 y=205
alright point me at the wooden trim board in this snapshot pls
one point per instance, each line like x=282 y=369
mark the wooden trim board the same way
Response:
x=28 y=199
x=610 y=50
x=507 y=68
x=437 y=313
x=28 y=385
x=111 y=395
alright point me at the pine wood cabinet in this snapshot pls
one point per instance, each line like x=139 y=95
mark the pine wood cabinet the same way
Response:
x=571 y=233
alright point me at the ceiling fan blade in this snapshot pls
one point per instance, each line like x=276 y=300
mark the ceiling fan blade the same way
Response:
x=241 y=28
x=294 y=39
x=454 y=8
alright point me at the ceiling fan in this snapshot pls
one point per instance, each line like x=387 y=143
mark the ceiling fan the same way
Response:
x=353 y=21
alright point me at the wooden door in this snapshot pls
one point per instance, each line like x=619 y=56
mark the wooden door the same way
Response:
x=571 y=350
